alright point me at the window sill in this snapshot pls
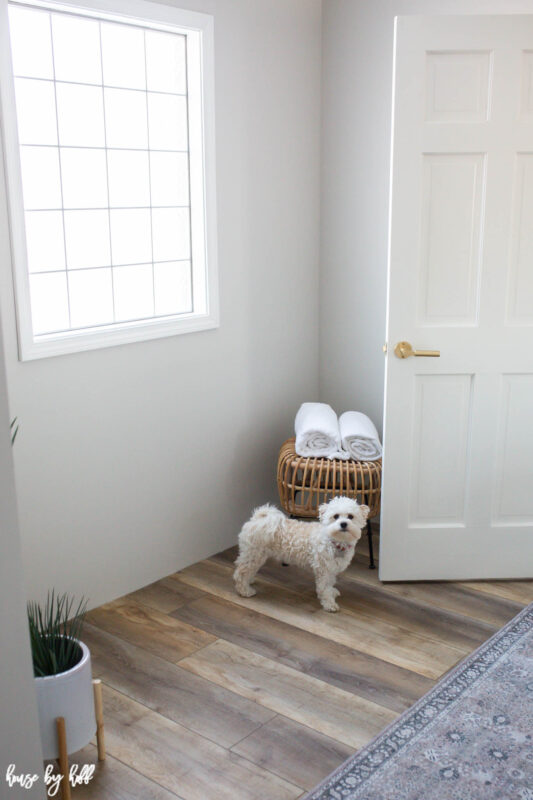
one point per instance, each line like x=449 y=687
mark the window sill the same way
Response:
x=71 y=342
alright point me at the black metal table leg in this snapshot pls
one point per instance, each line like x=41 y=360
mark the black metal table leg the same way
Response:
x=370 y=544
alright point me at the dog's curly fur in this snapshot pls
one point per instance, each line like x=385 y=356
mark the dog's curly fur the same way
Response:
x=326 y=546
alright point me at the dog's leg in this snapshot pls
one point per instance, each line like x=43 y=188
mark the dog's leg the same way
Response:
x=248 y=563
x=326 y=591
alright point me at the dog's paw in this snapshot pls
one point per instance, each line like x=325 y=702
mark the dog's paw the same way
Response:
x=332 y=606
x=246 y=591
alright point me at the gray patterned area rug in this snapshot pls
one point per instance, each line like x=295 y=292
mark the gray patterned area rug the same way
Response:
x=469 y=738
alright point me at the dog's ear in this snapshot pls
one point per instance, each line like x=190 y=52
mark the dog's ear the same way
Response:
x=365 y=511
x=322 y=511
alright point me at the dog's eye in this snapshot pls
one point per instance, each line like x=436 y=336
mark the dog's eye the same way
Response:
x=350 y=516
x=336 y=516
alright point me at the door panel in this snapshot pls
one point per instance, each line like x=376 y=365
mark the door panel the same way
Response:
x=513 y=497
x=520 y=280
x=458 y=434
x=452 y=199
x=440 y=461
x=457 y=87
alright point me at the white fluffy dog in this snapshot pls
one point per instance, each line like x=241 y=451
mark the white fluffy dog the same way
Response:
x=326 y=546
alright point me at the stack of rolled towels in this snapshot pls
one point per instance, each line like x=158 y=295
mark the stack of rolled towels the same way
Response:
x=320 y=433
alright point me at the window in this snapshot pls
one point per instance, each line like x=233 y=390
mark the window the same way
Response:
x=109 y=139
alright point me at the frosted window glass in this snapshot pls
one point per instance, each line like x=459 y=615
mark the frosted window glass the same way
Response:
x=49 y=302
x=40 y=177
x=31 y=42
x=36 y=111
x=129 y=182
x=167 y=118
x=165 y=62
x=123 y=56
x=125 y=112
x=170 y=228
x=84 y=178
x=76 y=49
x=44 y=240
x=91 y=297
x=130 y=236
x=169 y=175
x=133 y=288
x=103 y=122
x=172 y=288
x=80 y=113
x=87 y=239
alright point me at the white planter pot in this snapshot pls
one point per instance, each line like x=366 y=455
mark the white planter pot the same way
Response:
x=69 y=695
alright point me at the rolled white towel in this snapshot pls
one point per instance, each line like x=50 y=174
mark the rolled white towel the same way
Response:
x=359 y=436
x=317 y=432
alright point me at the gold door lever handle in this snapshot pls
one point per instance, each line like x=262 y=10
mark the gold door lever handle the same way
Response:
x=405 y=349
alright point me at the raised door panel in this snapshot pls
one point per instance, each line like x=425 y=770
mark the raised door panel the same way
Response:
x=458 y=86
x=442 y=412
x=520 y=271
x=526 y=110
x=453 y=188
x=513 y=484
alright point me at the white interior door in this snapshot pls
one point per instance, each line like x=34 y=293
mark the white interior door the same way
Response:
x=458 y=440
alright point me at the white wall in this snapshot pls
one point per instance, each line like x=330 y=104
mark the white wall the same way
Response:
x=357 y=97
x=19 y=731
x=137 y=460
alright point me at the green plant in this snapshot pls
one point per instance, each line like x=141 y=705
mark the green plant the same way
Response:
x=54 y=633
x=14 y=428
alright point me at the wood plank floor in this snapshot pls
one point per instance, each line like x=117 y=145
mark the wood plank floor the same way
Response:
x=209 y=696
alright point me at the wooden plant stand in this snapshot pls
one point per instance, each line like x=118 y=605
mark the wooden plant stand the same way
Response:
x=62 y=739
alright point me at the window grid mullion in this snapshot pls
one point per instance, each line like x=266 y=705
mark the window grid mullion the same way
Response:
x=97 y=325
x=106 y=208
x=67 y=12
x=107 y=266
x=107 y=175
x=60 y=170
x=97 y=85
x=96 y=147
x=149 y=171
x=191 y=268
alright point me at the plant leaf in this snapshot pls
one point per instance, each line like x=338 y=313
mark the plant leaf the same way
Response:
x=55 y=632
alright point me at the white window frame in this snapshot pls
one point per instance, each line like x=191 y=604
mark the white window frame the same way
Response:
x=202 y=160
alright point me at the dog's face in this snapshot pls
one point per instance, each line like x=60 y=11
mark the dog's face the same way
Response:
x=343 y=519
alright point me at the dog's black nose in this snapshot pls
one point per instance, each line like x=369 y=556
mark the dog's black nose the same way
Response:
x=344 y=525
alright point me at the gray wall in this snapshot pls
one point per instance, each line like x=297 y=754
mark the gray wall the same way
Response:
x=19 y=733
x=357 y=96
x=137 y=460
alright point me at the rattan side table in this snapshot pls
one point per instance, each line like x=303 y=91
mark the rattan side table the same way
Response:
x=304 y=483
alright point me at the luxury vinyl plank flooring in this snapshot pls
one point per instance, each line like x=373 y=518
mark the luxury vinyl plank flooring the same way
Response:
x=196 y=703
x=453 y=597
x=295 y=752
x=160 y=634
x=384 y=640
x=211 y=696
x=181 y=761
x=302 y=698
x=453 y=628
x=352 y=670
x=113 y=780
x=504 y=600
x=165 y=595
x=517 y=591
